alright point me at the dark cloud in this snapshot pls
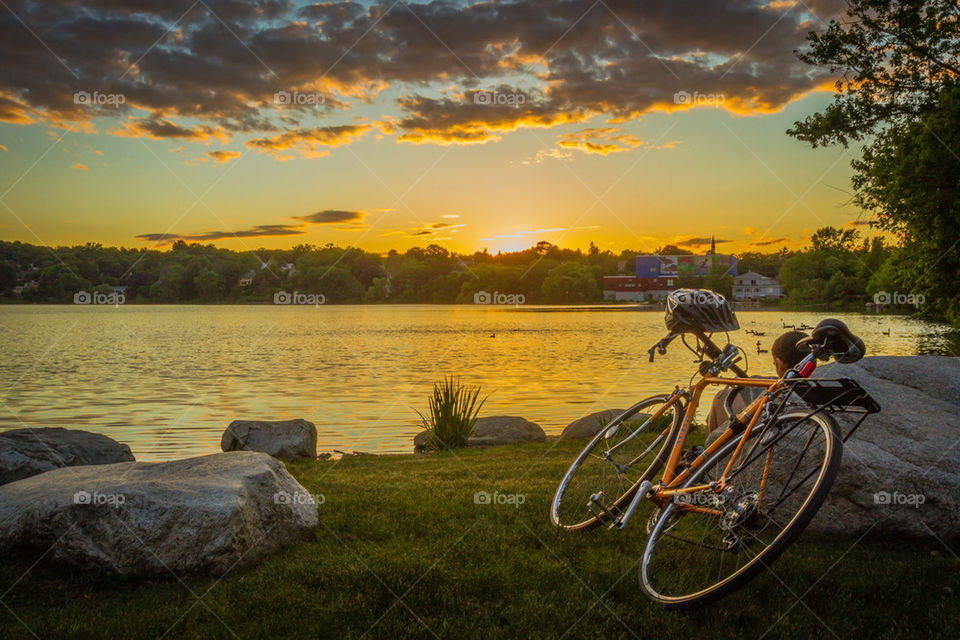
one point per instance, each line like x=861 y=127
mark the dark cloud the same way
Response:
x=332 y=216
x=699 y=242
x=478 y=116
x=259 y=231
x=769 y=241
x=216 y=69
x=353 y=219
x=861 y=223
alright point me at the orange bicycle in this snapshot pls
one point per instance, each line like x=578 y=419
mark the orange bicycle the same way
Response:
x=724 y=512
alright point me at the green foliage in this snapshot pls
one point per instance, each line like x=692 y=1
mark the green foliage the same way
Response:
x=899 y=69
x=720 y=280
x=892 y=59
x=570 y=282
x=767 y=264
x=452 y=414
x=834 y=270
x=910 y=178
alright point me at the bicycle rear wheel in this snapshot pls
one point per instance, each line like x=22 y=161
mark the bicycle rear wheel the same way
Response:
x=629 y=450
x=705 y=544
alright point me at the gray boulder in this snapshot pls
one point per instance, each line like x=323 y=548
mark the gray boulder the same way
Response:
x=493 y=431
x=27 y=452
x=589 y=425
x=205 y=514
x=284 y=439
x=901 y=469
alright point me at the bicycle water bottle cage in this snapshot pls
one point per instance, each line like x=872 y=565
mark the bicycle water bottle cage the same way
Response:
x=699 y=311
x=831 y=337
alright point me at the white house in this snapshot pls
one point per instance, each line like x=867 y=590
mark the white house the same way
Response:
x=246 y=279
x=754 y=286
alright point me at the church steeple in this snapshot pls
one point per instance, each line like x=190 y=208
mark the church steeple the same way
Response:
x=713 y=245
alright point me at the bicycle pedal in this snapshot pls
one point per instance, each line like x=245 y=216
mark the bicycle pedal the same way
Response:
x=596 y=506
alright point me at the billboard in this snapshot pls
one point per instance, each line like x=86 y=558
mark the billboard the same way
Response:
x=653 y=266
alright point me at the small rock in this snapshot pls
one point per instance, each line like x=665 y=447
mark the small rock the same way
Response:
x=284 y=439
x=589 y=425
x=493 y=431
x=27 y=452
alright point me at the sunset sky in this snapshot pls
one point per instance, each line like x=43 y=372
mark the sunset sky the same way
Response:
x=389 y=125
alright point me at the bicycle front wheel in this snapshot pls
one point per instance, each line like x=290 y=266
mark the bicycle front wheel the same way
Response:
x=706 y=544
x=604 y=477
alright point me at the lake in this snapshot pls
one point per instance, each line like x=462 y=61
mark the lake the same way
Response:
x=167 y=380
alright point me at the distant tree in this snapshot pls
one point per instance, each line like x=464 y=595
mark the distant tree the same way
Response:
x=570 y=283
x=59 y=282
x=209 y=285
x=673 y=250
x=720 y=280
x=8 y=276
x=833 y=238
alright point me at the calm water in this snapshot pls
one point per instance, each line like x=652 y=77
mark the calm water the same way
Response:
x=168 y=380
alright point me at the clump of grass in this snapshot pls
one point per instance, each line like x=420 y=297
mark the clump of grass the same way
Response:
x=452 y=414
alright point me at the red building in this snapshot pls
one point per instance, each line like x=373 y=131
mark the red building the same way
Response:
x=637 y=289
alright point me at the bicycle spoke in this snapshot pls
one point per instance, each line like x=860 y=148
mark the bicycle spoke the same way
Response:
x=613 y=463
x=692 y=554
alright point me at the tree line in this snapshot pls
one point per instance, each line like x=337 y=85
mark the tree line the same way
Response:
x=838 y=269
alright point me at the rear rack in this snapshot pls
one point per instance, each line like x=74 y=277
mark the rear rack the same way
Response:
x=827 y=395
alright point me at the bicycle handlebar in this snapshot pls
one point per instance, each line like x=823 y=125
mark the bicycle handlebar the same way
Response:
x=709 y=349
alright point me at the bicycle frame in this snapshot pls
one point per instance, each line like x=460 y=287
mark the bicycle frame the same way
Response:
x=671 y=482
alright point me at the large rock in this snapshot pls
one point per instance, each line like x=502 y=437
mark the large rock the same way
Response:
x=284 y=439
x=27 y=452
x=901 y=469
x=203 y=514
x=589 y=425
x=493 y=431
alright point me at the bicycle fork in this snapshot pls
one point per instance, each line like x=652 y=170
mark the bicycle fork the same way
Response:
x=599 y=509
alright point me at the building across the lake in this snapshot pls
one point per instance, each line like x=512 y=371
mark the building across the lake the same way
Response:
x=755 y=286
x=657 y=275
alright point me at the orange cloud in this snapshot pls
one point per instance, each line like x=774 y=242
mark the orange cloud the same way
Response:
x=79 y=167
x=602 y=141
x=14 y=111
x=161 y=129
x=311 y=143
x=224 y=156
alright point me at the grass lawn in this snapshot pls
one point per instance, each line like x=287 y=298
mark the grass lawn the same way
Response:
x=403 y=551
